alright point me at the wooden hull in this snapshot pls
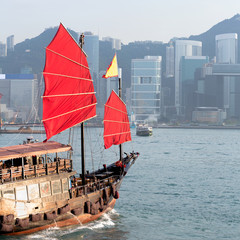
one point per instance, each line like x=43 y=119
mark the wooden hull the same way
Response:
x=80 y=208
x=73 y=220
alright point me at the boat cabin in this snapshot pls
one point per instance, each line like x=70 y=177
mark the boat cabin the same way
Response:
x=33 y=160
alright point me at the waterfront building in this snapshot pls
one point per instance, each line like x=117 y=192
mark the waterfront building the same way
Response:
x=227 y=54
x=226 y=48
x=105 y=88
x=20 y=93
x=169 y=61
x=116 y=43
x=188 y=68
x=10 y=43
x=91 y=47
x=220 y=87
x=208 y=115
x=146 y=88
x=183 y=48
x=3 y=50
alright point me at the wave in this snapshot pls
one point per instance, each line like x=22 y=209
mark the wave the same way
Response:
x=56 y=233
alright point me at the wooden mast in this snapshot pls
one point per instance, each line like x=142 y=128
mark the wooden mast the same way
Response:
x=120 y=96
x=81 y=42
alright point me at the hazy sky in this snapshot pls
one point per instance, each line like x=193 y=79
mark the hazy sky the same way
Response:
x=128 y=20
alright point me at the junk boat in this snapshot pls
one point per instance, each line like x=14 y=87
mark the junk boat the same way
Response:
x=38 y=188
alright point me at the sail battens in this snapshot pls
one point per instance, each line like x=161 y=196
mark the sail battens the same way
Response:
x=116 y=122
x=112 y=121
x=69 y=96
x=61 y=75
x=115 y=109
x=114 y=134
x=67 y=58
x=66 y=95
x=75 y=110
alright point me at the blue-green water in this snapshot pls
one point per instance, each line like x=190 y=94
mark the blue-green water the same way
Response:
x=184 y=186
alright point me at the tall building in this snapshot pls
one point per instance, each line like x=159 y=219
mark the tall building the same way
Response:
x=146 y=88
x=227 y=53
x=188 y=68
x=106 y=87
x=10 y=43
x=226 y=48
x=183 y=48
x=91 y=47
x=20 y=93
x=169 y=61
x=116 y=43
x=3 y=50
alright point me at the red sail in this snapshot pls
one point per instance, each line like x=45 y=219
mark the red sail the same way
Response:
x=69 y=96
x=116 y=122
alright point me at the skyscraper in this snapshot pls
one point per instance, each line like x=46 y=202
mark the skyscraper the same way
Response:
x=116 y=43
x=146 y=88
x=91 y=47
x=188 y=68
x=226 y=53
x=226 y=48
x=169 y=61
x=3 y=50
x=183 y=48
x=10 y=43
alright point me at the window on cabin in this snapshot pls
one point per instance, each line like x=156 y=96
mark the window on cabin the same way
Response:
x=21 y=193
x=56 y=187
x=65 y=184
x=45 y=189
x=33 y=191
x=9 y=193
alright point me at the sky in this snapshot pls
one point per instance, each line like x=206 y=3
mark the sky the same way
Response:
x=128 y=20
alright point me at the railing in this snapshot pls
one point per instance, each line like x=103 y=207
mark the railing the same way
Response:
x=92 y=185
x=31 y=171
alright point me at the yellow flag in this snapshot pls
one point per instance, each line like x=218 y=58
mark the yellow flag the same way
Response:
x=112 y=70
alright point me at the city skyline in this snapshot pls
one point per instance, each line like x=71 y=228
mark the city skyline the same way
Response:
x=129 y=21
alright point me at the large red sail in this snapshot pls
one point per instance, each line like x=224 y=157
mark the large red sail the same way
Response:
x=69 y=96
x=116 y=122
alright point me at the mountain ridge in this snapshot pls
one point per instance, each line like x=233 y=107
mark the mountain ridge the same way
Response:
x=31 y=52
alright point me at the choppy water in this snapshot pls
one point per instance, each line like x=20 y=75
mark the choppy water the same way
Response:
x=184 y=186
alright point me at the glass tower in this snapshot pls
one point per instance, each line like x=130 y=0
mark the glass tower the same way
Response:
x=91 y=47
x=227 y=53
x=183 y=48
x=145 y=88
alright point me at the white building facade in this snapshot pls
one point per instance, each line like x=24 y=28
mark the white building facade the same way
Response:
x=226 y=48
x=146 y=88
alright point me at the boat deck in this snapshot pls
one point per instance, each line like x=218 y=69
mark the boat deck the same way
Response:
x=15 y=173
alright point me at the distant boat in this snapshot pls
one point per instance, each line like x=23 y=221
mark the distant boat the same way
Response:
x=38 y=187
x=143 y=130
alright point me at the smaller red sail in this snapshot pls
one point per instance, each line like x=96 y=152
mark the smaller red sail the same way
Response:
x=116 y=122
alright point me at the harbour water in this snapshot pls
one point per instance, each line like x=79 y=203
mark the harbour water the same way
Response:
x=184 y=186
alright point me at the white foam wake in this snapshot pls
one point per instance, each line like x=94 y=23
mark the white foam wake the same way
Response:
x=106 y=221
